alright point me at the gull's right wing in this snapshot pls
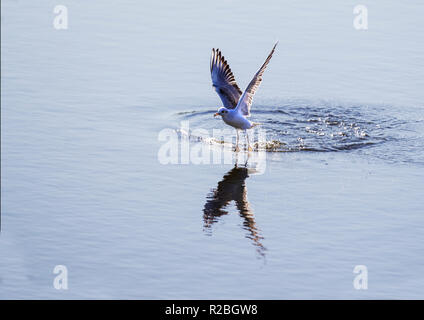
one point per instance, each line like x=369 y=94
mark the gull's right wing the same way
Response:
x=246 y=99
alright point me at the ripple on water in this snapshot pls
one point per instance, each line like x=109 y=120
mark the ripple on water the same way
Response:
x=319 y=127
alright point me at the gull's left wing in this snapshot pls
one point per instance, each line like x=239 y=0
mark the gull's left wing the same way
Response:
x=223 y=80
x=246 y=99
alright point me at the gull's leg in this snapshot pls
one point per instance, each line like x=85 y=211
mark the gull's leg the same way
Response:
x=249 y=148
x=248 y=156
x=237 y=142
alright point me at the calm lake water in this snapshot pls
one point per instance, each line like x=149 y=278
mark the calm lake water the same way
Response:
x=82 y=184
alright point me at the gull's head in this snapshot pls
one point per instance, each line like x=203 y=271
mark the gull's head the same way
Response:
x=221 y=112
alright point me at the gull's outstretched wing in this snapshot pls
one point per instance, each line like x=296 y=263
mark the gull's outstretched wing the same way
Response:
x=246 y=99
x=223 y=80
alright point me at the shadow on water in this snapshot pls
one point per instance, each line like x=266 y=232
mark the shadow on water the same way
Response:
x=232 y=187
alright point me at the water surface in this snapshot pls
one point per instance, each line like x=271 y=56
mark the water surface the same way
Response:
x=82 y=185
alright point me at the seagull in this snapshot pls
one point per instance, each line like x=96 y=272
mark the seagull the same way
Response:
x=237 y=106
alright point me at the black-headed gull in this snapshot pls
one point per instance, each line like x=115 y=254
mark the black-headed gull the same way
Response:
x=235 y=110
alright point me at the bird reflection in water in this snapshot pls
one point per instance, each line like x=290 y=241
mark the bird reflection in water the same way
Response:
x=233 y=188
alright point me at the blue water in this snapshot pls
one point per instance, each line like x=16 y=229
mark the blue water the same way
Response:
x=82 y=184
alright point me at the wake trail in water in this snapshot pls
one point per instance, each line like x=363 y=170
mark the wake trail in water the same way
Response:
x=296 y=126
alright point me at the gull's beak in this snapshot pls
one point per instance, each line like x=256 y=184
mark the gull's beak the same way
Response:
x=216 y=114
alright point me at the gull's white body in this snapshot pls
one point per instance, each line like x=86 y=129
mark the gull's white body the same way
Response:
x=237 y=106
x=237 y=120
